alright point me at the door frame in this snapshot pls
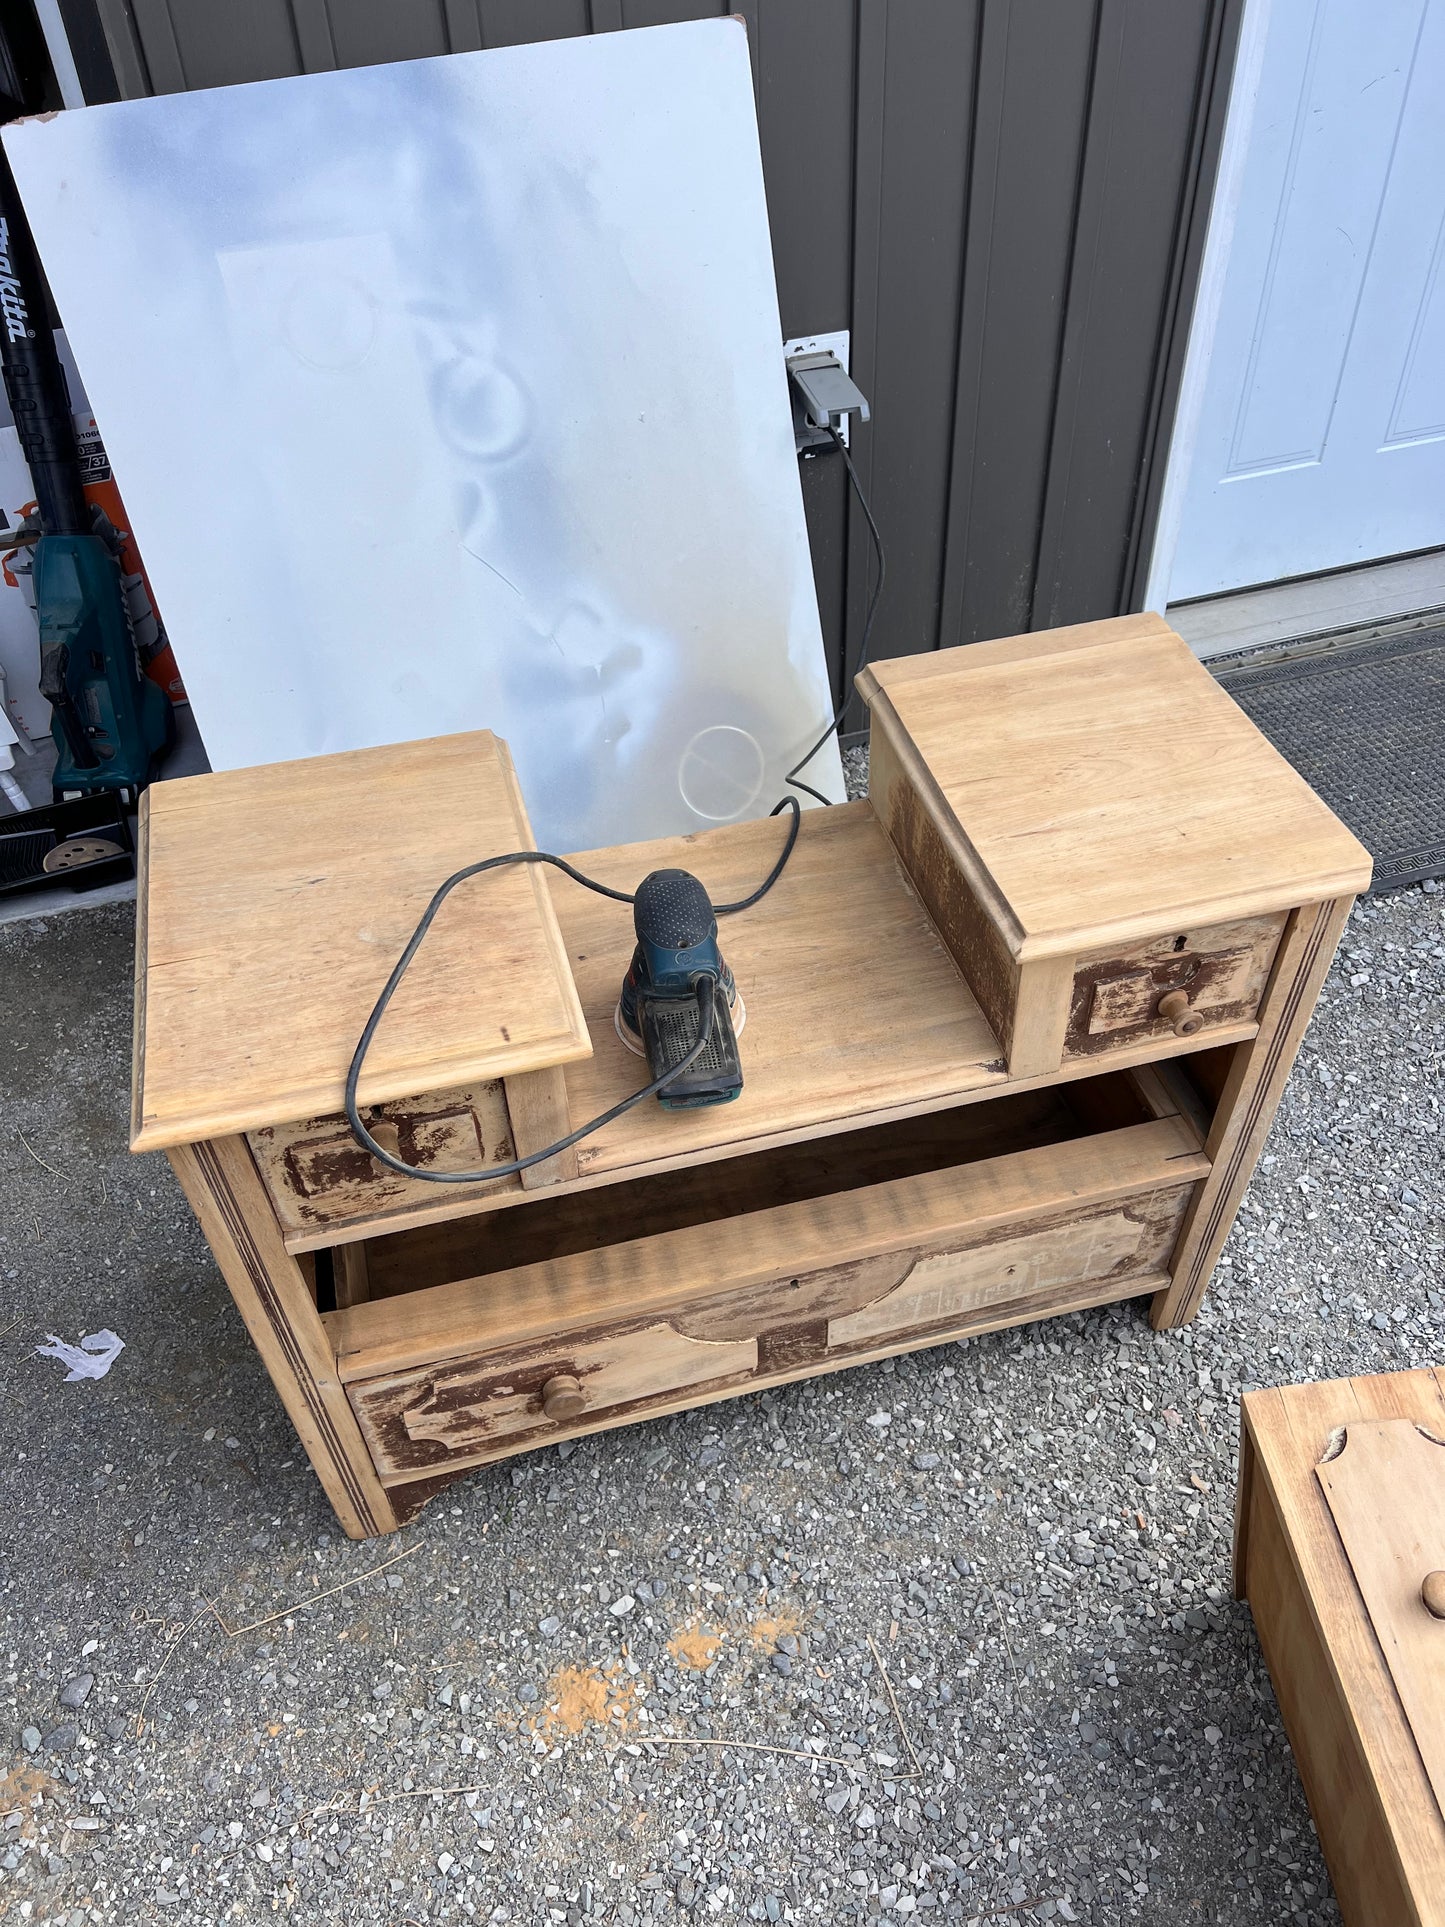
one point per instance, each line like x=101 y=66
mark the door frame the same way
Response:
x=1208 y=301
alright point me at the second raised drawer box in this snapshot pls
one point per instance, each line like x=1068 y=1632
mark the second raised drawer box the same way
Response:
x=1101 y=894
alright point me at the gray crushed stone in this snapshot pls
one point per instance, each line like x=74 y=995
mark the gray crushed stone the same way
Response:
x=855 y=770
x=1033 y=1529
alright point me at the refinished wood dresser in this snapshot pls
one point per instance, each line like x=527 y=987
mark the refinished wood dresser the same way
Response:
x=1017 y=1027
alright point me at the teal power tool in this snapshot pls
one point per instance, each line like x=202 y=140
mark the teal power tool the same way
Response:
x=108 y=718
x=657 y=1014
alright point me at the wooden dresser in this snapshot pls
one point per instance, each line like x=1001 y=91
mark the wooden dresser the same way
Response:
x=1017 y=1027
x=1340 y=1551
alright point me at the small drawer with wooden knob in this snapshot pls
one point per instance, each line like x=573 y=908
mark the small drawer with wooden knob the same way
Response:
x=1175 y=1008
x=475 y=1407
x=1183 y=984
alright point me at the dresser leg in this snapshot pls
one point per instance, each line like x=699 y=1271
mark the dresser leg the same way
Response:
x=1248 y=1103
x=227 y=1195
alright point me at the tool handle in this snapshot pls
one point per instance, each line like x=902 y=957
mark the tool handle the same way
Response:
x=34 y=378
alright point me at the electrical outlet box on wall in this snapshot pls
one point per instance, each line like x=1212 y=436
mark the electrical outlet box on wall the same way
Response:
x=810 y=439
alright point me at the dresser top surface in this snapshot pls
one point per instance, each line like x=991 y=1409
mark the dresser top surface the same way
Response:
x=273 y=904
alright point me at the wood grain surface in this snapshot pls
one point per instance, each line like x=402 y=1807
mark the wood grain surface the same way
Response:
x=537 y=1107
x=1386 y=1492
x=467 y=1247
x=854 y=1004
x=638 y=1279
x=1379 y=1822
x=318 y=1176
x=276 y=901
x=275 y=1299
x=1252 y=1087
x=367 y=1202
x=1108 y=787
x=778 y=1369
x=1222 y=969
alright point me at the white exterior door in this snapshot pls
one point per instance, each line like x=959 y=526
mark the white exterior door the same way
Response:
x=1320 y=441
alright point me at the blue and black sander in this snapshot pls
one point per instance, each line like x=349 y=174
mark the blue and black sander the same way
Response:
x=657 y=1014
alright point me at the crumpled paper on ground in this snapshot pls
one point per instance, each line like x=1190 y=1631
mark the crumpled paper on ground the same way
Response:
x=91 y=1358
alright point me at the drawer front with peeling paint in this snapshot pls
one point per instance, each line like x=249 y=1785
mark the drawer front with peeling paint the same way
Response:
x=701 y=1312
x=319 y=1176
x=1183 y=984
x=465 y=1411
x=1111 y=1241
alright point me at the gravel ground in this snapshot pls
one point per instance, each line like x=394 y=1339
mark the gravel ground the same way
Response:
x=1032 y=1530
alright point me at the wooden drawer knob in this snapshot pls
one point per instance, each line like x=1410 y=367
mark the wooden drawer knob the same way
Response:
x=563 y=1396
x=1432 y=1591
x=1175 y=1009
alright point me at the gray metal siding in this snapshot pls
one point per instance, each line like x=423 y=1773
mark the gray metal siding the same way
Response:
x=1035 y=60
x=916 y=98
x=1139 y=226
x=1004 y=200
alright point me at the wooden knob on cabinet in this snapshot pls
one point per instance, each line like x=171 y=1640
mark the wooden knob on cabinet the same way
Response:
x=563 y=1396
x=1432 y=1592
x=1175 y=1009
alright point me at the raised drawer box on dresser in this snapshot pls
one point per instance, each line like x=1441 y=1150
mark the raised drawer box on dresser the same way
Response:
x=1107 y=844
x=1017 y=1026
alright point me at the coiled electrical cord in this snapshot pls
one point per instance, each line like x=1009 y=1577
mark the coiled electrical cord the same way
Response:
x=706 y=986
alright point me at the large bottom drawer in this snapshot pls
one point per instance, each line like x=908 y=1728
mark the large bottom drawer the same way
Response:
x=469 y=1370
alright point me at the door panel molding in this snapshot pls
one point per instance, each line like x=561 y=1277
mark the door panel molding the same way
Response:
x=1295 y=466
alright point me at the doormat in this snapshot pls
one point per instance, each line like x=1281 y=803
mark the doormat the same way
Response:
x=1365 y=726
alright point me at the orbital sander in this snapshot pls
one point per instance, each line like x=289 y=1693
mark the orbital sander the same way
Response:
x=657 y=1014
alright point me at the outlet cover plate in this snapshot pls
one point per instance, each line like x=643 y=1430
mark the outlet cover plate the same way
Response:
x=837 y=343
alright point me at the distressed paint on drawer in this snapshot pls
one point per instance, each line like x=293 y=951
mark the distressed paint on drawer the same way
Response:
x=429 y=1415
x=1222 y=969
x=422 y=1419
x=317 y=1173
x=948 y=1285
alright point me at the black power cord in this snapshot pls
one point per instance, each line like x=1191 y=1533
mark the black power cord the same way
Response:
x=705 y=985
x=792 y=776
x=705 y=988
